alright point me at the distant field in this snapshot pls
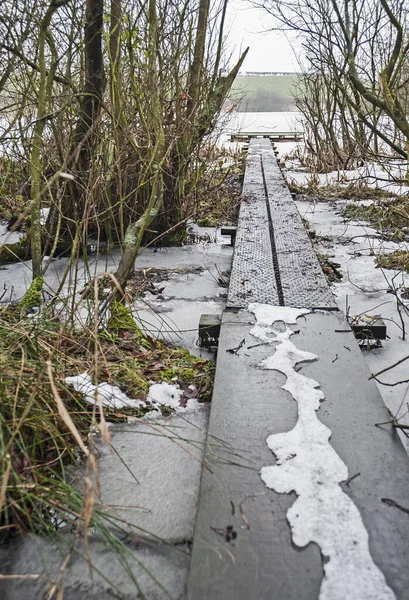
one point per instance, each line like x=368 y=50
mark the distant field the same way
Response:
x=264 y=94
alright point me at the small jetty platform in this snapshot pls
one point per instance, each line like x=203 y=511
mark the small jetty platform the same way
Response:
x=274 y=136
x=302 y=495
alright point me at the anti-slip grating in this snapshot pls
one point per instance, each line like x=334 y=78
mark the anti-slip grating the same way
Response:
x=274 y=262
x=252 y=278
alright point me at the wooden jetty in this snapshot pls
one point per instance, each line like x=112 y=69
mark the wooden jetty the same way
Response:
x=274 y=136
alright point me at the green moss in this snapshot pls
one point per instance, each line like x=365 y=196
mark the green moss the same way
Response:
x=179 y=363
x=157 y=361
x=10 y=253
x=177 y=237
x=208 y=222
x=121 y=318
x=129 y=376
x=182 y=372
x=32 y=297
x=357 y=212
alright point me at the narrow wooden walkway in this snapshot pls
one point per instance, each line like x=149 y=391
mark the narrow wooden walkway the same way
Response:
x=274 y=261
x=348 y=539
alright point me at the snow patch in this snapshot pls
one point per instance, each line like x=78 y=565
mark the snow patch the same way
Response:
x=111 y=396
x=165 y=394
x=371 y=175
x=44 y=215
x=308 y=465
x=264 y=314
x=160 y=394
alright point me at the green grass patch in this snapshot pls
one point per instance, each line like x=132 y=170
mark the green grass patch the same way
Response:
x=282 y=85
x=398 y=260
x=45 y=426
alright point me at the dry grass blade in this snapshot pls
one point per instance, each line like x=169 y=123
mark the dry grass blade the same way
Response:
x=106 y=436
x=4 y=482
x=56 y=589
x=32 y=576
x=88 y=512
x=64 y=414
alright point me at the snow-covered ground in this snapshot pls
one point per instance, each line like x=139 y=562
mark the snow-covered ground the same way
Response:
x=367 y=289
x=387 y=177
x=8 y=237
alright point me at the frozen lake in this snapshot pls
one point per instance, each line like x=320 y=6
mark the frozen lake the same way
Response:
x=262 y=122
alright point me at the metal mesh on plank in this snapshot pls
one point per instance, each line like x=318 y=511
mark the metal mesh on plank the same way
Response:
x=302 y=279
x=303 y=282
x=253 y=277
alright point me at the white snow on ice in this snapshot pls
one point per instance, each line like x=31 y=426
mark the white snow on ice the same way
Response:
x=160 y=394
x=365 y=289
x=111 y=396
x=308 y=465
x=264 y=325
x=387 y=177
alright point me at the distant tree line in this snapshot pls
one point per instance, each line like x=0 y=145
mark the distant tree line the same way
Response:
x=354 y=90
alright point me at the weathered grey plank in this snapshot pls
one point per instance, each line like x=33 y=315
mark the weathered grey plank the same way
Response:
x=248 y=405
x=252 y=275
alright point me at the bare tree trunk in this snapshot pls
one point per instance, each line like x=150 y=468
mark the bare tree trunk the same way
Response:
x=117 y=144
x=43 y=104
x=197 y=64
x=90 y=107
x=135 y=230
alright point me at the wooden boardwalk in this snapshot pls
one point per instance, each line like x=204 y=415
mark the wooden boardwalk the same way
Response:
x=328 y=471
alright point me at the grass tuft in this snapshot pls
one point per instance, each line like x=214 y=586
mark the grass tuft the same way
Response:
x=398 y=260
x=45 y=426
x=391 y=218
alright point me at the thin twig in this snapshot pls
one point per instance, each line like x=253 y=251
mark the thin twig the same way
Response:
x=375 y=375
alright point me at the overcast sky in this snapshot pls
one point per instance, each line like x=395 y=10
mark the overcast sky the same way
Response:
x=269 y=50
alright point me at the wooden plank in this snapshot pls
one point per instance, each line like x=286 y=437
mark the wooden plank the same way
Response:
x=248 y=405
x=273 y=261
